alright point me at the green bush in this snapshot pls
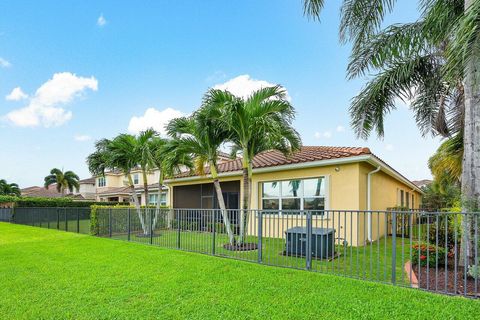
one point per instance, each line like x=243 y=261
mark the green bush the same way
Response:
x=427 y=254
x=30 y=202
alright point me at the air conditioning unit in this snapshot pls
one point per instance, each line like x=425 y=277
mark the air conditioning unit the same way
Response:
x=322 y=242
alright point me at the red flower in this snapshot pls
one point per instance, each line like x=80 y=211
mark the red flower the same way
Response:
x=422 y=257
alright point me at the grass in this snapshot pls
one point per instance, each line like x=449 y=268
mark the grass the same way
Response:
x=48 y=274
x=371 y=262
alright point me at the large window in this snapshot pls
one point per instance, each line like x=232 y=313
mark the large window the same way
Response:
x=153 y=199
x=135 y=178
x=101 y=182
x=299 y=194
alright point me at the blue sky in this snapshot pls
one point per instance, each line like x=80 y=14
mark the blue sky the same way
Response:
x=85 y=69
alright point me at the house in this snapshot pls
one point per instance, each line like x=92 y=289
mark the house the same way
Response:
x=113 y=187
x=314 y=178
x=422 y=183
x=86 y=191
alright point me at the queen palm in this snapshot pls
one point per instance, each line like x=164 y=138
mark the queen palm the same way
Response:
x=260 y=122
x=64 y=180
x=9 y=189
x=434 y=62
x=201 y=136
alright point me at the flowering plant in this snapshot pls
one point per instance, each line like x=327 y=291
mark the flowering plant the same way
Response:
x=425 y=253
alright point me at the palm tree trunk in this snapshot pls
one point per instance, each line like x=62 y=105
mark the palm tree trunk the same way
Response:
x=145 y=186
x=157 y=210
x=246 y=198
x=137 y=204
x=221 y=203
x=471 y=155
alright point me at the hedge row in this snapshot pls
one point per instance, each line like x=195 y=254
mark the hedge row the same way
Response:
x=29 y=202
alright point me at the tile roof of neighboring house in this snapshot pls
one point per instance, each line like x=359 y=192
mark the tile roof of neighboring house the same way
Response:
x=88 y=180
x=421 y=183
x=274 y=158
x=115 y=190
x=41 y=192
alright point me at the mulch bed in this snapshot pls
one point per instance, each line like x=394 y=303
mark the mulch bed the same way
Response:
x=240 y=247
x=436 y=280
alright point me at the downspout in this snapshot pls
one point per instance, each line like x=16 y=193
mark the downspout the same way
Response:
x=369 y=202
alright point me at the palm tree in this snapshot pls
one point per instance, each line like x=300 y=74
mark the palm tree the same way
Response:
x=169 y=159
x=63 y=180
x=446 y=163
x=261 y=122
x=99 y=161
x=9 y=189
x=144 y=150
x=201 y=136
x=434 y=62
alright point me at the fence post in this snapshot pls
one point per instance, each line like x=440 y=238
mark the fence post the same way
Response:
x=308 y=244
x=66 y=218
x=128 y=225
x=58 y=218
x=78 y=221
x=110 y=222
x=178 y=228
x=259 y=235
x=394 y=247
x=151 y=225
x=213 y=231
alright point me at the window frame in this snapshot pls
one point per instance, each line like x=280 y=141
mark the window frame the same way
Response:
x=101 y=179
x=136 y=179
x=301 y=194
x=162 y=202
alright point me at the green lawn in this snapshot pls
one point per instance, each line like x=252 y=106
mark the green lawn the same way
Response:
x=48 y=274
x=372 y=262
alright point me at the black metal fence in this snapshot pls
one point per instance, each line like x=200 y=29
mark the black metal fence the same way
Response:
x=68 y=219
x=422 y=250
x=6 y=214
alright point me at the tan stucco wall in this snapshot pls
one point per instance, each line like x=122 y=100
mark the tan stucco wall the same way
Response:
x=346 y=192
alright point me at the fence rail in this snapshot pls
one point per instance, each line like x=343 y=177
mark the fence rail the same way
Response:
x=69 y=219
x=412 y=249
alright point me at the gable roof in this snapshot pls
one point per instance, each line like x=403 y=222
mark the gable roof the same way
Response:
x=273 y=158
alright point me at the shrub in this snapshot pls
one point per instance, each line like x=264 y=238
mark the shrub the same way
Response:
x=426 y=253
x=474 y=271
x=447 y=227
x=30 y=202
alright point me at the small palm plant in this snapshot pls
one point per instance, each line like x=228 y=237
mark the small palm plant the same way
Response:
x=64 y=180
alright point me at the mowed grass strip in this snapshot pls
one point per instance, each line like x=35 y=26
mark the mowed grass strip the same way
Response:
x=48 y=274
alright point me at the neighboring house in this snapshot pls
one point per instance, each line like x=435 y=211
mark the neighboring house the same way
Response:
x=113 y=186
x=86 y=191
x=422 y=183
x=314 y=178
x=41 y=192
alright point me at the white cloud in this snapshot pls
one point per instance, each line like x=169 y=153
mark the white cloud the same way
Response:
x=43 y=108
x=16 y=95
x=82 y=137
x=340 y=128
x=153 y=118
x=101 y=21
x=389 y=147
x=243 y=86
x=4 y=63
x=325 y=134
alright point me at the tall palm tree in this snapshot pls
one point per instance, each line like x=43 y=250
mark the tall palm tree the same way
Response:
x=144 y=150
x=64 y=180
x=261 y=122
x=434 y=62
x=9 y=189
x=201 y=136
x=99 y=160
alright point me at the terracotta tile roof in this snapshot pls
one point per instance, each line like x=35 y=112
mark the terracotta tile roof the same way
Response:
x=421 y=183
x=87 y=181
x=41 y=192
x=274 y=158
x=115 y=190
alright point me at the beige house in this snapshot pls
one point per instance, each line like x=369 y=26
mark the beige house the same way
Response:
x=315 y=178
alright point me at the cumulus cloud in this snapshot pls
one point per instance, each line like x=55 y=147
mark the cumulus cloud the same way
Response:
x=325 y=134
x=16 y=95
x=44 y=108
x=340 y=128
x=153 y=118
x=243 y=86
x=4 y=63
x=82 y=137
x=101 y=21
